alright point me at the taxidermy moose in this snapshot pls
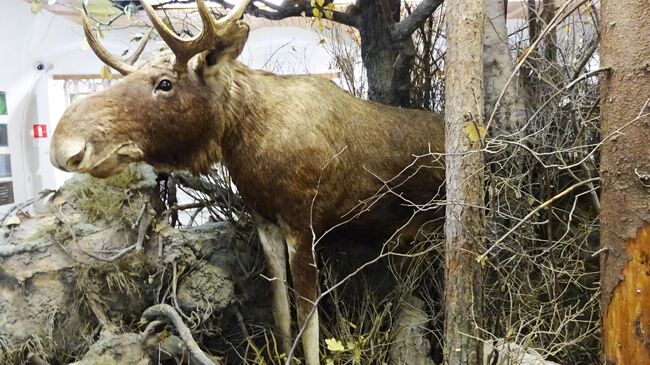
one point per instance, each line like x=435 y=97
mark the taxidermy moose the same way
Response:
x=305 y=155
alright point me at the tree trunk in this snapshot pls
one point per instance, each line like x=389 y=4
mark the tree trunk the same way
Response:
x=625 y=171
x=510 y=114
x=498 y=65
x=387 y=62
x=464 y=183
x=550 y=49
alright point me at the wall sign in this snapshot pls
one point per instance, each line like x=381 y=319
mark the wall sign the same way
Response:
x=40 y=131
x=6 y=193
x=5 y=165
x=3 y=136
x=3 y=103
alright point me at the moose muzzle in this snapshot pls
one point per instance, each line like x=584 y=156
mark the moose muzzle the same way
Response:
x=68 y=155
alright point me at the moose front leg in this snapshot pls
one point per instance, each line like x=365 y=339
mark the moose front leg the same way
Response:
x=304 y=277
x=274 y=248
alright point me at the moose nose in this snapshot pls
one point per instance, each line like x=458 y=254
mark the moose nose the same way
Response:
x=68 y=155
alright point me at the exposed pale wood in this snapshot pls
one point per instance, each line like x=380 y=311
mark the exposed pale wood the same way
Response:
x=627 y=321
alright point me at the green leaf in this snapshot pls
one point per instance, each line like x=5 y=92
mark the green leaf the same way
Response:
x=36 y=6
x=356 y=356
x=168 y=23
x=320 y=3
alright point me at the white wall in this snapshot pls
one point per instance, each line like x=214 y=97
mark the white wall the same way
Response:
x=286 y=50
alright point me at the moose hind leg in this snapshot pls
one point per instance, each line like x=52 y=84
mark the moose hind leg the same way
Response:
x=274 y=248
x=304 y=277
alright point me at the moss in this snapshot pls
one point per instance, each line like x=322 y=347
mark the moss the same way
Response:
x=110 y=199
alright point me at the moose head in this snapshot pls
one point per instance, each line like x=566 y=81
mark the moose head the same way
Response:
x=164 y=113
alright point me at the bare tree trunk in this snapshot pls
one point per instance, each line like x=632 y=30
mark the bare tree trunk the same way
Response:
x=387 y=61
x=509 y=115
x=550 y=49
x=464 y=166
x=498 y=66
x=625 y=169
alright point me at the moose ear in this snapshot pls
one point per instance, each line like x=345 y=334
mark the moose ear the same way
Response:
x=228 y=49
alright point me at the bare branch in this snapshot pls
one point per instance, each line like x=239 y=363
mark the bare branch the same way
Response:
x=167 y=311
x=287 y=11
x=408 y=25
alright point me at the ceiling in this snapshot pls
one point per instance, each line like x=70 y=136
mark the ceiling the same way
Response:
x=104 y=10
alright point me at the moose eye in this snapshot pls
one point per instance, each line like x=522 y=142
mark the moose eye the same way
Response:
x=164 y=85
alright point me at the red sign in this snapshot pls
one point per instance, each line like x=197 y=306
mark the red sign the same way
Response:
x=40 y=130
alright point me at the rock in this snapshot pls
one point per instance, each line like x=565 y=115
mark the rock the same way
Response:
x=112 y=349
x=206 y=288
x=410 y=343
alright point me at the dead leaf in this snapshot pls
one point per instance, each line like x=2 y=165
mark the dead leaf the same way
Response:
x=36 y=6
x=474 y=132
x=105 y=72
x=334 y=345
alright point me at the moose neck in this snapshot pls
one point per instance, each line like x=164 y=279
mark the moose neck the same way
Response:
x=238 y=109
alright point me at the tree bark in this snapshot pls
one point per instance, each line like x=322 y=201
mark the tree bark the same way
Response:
x=387 y=61
x=509 y=115
x=498 y=66
x=464 y=182
x=550 y=49
x=625 y=168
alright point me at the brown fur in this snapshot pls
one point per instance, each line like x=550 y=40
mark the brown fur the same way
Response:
x=303 y=153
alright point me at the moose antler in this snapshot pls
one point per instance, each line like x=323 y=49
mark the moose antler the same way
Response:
x=124 y=67
x=214 y=31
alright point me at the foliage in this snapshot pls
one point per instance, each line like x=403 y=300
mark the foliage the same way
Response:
x=109 y=199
